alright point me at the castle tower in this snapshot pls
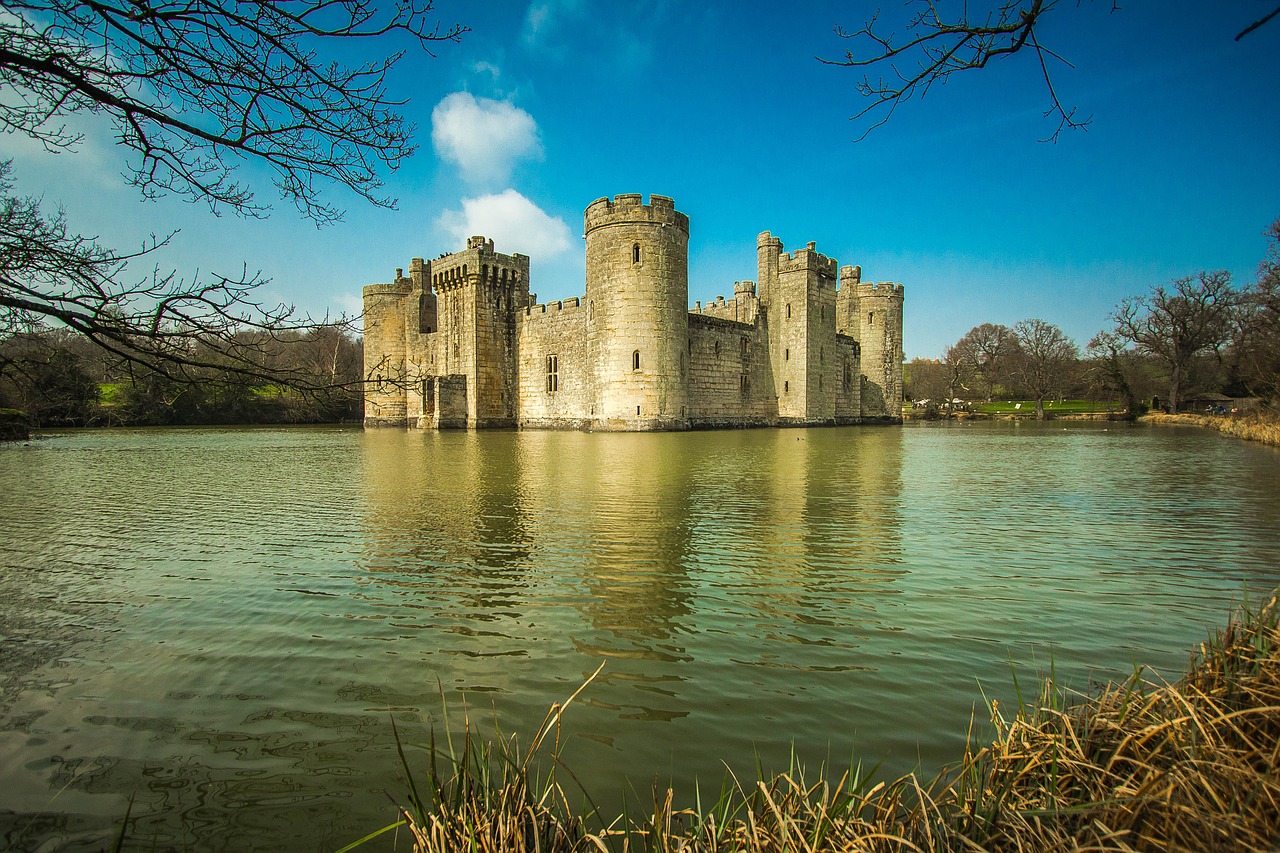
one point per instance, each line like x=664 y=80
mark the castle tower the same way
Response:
x=879 y=309
x=478 y=295
x=799 y=291
x=638 y=312
x=384 y=352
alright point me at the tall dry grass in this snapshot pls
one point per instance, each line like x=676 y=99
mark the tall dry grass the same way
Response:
x=1189 y=766
x=1263 y=427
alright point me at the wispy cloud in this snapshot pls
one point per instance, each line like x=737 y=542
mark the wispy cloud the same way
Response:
x=513 y=222
x=483 y=137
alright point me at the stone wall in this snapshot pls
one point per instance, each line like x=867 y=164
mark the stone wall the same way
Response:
x=561 y=401
x=730 y=381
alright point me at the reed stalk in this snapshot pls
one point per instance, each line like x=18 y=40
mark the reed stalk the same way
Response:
x=1137 y=765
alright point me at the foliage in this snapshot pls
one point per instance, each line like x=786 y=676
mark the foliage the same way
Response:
x=987 y=350
x=1043 y=361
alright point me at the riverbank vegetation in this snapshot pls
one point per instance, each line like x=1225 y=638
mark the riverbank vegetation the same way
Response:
x=1260 y=427
x=1200 y=343
x=1137 y=765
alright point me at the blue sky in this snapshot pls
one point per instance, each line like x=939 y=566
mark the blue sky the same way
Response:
x=547 y=105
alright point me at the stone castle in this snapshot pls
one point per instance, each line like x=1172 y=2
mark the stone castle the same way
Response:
x=462 y=343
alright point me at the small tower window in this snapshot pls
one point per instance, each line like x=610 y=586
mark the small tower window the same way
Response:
x=553 y=374
x=635 y=360
x=871 y=318
x=744 y=347
x=788 y=310
x=717 y=348
x=786 y=387
x=635 y=253
x=743 y=385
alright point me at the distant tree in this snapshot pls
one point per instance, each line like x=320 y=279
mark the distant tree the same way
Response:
x=1116 y=370
x=988 y=348
x=1044 y=361
x=195 y=88
x=925 y=380
x=959 y=364
x=1176 y=325
x=47 y=381
x=935 y=45
x=1257 y=347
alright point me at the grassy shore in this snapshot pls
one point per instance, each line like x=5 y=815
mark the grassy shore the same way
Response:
x=1135 y=766
x=1263 y=427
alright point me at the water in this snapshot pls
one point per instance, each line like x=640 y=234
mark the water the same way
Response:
x=222 y=623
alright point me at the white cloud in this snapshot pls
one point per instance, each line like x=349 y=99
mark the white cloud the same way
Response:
x=482 y=136
x=545 y=17
x=514 y=223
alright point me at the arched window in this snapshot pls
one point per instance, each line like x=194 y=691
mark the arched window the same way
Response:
x=635 y=253
x=871 y=318
x=635 y=360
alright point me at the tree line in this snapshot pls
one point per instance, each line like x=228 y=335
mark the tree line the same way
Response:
x=1197 y=334
x=58 y=377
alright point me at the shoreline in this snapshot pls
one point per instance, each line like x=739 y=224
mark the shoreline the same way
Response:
x=1251 y=427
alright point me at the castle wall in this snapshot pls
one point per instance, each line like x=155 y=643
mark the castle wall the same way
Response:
x=847 y=380
x=559 y=398
x=730 y=380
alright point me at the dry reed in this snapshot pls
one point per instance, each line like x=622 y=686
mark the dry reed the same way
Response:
x=1137 y=766
x=1262 y=427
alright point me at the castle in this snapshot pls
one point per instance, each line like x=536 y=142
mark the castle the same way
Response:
x=461 y=342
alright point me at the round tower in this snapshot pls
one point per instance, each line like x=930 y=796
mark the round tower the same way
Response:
x=638 y=313
x=880 y=318
x=385 y=316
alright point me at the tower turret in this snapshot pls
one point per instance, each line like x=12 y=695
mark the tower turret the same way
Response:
x=638 y=320
x=879 y=309
x=384 y=352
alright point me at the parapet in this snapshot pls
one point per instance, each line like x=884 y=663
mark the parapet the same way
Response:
x=628 y=208
x=485 y=246
x=883 y=290
x=808 y=258
x=398 y=288
x=850 y=275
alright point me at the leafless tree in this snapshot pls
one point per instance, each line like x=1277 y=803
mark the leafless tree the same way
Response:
x=988 y=347
x=1257 y=347
x=1044 y=362
x=1176 y=324
x=934 y=45
x=1115 y=369
x=195 y=89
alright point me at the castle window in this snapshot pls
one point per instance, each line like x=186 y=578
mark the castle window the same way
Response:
x=788 y=310
x=743 y=385
x=819 y=383
x=871 y=318
x=635 y=253
x=822 y=355
x=635 y=361
x=786 y=354
x=744 y=347
x=822 y=313
x=717 y=348
x=553 y=374
x=848 y=376
x=786 y=387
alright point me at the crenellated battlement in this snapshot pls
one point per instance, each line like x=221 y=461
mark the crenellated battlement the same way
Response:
x=398 y=288
x=479 y=263
x=628 y=208
x=881 y=290
x=808 y=258
x=565 y=305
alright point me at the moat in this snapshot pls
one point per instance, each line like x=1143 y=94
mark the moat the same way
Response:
x=222 y=622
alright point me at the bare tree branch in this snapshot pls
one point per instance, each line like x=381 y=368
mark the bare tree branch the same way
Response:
x=198 y=87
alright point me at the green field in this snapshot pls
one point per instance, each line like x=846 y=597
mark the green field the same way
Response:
x=1016 y=407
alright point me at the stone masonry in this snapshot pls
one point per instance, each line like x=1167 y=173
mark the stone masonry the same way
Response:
x=461 y=342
